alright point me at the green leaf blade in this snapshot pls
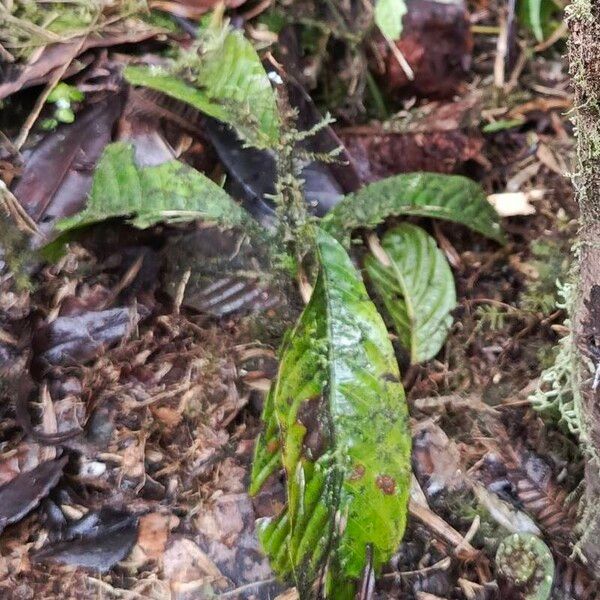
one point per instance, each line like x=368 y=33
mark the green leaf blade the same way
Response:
x=338 y=417
x=451 y=197
x=417 y=289
x=170 y=192
x=230 y=85
x=161 y=81
x=535 y=16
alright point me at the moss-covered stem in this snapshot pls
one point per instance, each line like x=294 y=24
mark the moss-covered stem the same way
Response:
x=292 y=215
x=584 y=53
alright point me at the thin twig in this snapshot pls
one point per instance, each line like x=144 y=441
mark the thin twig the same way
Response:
x=16 y=212
x=181 y=291
x=406 y=68
x=245 y=588
x=556 y=35
x=501 y=52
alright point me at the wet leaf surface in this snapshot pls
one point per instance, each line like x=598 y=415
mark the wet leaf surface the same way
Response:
x=249 y=105
x=166 y=415
x=335 y=410
x=21 y=495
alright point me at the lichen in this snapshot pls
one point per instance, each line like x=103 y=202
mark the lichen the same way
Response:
x=557 y=392
x=580 y=10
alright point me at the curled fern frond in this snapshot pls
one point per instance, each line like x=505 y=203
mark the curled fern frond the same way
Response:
x=527 y=564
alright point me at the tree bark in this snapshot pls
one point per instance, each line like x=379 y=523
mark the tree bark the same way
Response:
x=584 y=64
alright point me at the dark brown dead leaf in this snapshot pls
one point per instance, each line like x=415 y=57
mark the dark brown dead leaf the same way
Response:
x=53 y=57
x=224 y=269
x=253 y=175
x=75 y=340
x=382 y=155
x=344 y=170
x=252 y=171
x=438 y=137
x=191 y=9
x=21 y=495
x=98 y=541
x=436 y=42
x=58 y=174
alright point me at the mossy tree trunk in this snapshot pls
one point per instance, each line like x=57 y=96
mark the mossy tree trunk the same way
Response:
x=584 y=61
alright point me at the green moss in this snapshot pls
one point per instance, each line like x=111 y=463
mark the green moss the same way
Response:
x=15 y=253
x=551 y=260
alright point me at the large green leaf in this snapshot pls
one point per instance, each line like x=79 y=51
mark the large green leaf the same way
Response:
x=228 y=83
x=451 y=197
x=417 y=289
x=171 y=192
x=388 y=16
x=336 y=420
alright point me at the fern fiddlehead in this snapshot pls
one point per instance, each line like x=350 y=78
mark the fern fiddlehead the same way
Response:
x=526 y=563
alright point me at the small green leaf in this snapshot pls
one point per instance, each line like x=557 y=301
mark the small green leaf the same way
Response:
x=336 y=421
x=451 y=197
x=502 y=125
x=417 y=289
x=64 y=115
x=170 y=192
x=540 y=16
x=227 y=82
x=388 y=17
x=64 y=91
x=48 y=124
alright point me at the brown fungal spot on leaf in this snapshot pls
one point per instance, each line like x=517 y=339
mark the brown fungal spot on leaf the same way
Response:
x=311 y=415
x=273 y=446
x=386 y=484
x=357 y=473
x=391 y=377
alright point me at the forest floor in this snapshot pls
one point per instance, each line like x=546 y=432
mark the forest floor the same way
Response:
x=143 y=440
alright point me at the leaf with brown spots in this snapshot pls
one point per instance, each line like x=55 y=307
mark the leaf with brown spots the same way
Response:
x=343 y=440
